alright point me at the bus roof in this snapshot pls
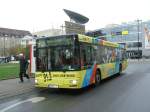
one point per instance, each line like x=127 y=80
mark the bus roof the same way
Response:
x=87 y=39
x=92 y=40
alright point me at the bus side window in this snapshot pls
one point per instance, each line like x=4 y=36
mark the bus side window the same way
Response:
x=104 y=51
x=113 y=55
x=101 y=55
x=124 y=55
x=83 y=56
x=94 y=54
x=86 y=55
x=89 y=55
x=119 y=54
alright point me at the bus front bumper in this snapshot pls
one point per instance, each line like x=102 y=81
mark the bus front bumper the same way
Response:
x=66 y=84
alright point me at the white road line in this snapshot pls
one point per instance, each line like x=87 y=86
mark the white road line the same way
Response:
x=33 y=100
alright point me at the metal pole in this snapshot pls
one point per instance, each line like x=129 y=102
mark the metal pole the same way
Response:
x=138 y=37
x=4 y=46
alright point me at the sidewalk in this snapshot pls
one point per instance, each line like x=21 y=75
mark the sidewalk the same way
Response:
x=12 y=87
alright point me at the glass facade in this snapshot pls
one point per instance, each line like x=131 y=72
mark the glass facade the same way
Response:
x=132 y=33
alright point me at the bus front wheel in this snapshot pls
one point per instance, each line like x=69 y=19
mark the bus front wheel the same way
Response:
x=97 y=78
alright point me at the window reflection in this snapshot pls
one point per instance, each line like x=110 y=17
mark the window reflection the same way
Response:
x=58 y=58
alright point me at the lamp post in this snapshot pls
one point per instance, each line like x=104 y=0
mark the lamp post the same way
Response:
x=138 y=28
x=4 y=46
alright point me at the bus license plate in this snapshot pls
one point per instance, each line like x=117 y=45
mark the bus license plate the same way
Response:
x=52 y=86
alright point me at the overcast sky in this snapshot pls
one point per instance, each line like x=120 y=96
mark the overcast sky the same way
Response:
x=36 y=15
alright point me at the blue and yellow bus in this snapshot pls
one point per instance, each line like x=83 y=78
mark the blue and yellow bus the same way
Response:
x=76 y=61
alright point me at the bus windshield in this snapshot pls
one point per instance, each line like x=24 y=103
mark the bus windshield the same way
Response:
x=58 y=58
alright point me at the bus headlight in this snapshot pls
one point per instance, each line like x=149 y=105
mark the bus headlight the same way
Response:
x=74 y=81
x=36 y=81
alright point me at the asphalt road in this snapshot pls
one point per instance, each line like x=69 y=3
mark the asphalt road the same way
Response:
x=129 y=92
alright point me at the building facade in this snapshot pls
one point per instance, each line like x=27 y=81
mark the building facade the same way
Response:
x=48 y=32
x=10 y=39
x=135 y=34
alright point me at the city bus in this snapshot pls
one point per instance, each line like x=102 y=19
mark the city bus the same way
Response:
x=76 y=61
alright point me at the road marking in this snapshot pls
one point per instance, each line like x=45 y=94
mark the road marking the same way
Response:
x=33 y=100
x=36 y=99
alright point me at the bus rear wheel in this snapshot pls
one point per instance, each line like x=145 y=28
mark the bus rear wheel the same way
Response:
x=97 y=78
x=120 y=69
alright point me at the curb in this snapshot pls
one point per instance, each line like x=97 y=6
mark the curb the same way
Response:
x=14 y=78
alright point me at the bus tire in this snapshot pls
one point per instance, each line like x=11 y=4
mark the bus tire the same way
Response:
x=120 y=69
x=97 y=78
